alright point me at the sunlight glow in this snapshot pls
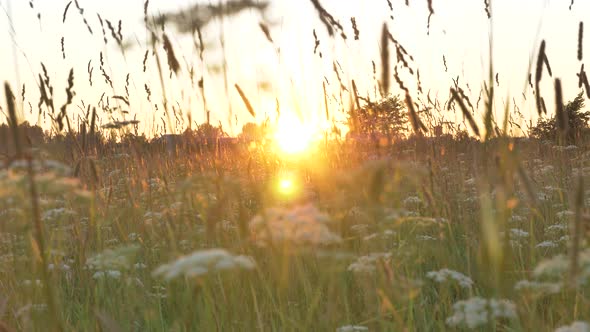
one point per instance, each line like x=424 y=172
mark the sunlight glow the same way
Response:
x=286 y=186
x=292 y=136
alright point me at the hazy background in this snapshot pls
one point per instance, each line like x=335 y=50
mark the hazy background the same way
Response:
x=289 y=70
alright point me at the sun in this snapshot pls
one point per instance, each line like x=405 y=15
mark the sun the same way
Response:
x=292 y=136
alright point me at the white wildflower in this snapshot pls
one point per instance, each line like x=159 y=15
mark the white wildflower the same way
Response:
x=367 y=264
x=564 y=215
x=202 y=262
x=113 y=274
x=517 y=233
x=352 y=328
x=445 y=275
x=477 y=311
x=517 y=219
x=557 y=267
x=577 y=326
x=538 y=286
x=547 y=245
x=556 y=228
x=56 y=214
x=412 y=202
x=425 y=238
x=303 y=225
x=113 y=259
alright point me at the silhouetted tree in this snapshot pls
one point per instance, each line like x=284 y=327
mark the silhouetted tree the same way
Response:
x=385 y=118
x=546 y=129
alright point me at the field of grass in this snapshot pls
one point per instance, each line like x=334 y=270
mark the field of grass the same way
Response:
x=392 y=239
x=407 y=228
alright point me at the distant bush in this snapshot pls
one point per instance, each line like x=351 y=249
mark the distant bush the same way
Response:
x=546 y=129
x=386 y=118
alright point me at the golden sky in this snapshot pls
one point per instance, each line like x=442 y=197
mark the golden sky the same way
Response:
x=459 y=30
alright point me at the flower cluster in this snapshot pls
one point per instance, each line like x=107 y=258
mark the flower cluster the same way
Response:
x=577 y=326
x=368 y=264
x=303 y=225
x=202 y=262
x=476 y=312
x=445 y=275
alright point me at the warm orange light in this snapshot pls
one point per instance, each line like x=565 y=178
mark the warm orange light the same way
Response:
x=292 y=136
x=286 y=186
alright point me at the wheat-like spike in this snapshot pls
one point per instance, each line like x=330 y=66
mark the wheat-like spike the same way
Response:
x=580 y=41
x=66 y=11
x=245 y=100
x=456 y=97
x=385 y=59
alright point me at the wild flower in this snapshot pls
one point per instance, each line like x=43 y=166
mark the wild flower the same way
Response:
x=517 y=233
x=425 y=238
x=476 y=312
x=517 y=219
x=57 y=214
x=577 y=326
x=368 y=263
x=112 y=274
x=202 y=262
x=564 y=215
x=556 y=228
x=359 y=228
x=113 y=259
x=412 y=202
x=557 y=267
x=302 y=225
x=444 y=275
x=538 y=287
x=546 y=245
x=352 y=328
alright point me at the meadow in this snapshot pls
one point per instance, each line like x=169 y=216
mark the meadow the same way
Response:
x=398 y=225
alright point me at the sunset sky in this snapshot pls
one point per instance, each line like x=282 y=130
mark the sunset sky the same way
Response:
x=289 y=70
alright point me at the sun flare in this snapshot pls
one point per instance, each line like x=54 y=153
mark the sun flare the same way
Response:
x=293 y=136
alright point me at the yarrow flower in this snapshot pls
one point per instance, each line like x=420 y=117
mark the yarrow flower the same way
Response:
x=302 y=225
x=477 y=311
x=538 y=287
x=547 y=244
x=352 y=328
x=202 y=262
x=113 y=274
x=445 y=275
x=368 y=264
x=577 y=326
x=113 y=259
x=557 y=268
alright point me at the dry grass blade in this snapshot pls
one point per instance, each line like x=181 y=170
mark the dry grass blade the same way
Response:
x=245 y=100
x=66 y=11
x=326 y=101
x=172 y=61
x=455 y=96
x=538 y=76
x=70 y=96
x=560 y=114
x=528 y=187
x=13 y=119
x=575 y=231
x=487 y=8
x=329 y=21
x=430 y=13
x=266 y=32
x=63 y=49
x=385 y=60
x=355 y=28
x=106 y=322
x=580 y=41
x=417 y=124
